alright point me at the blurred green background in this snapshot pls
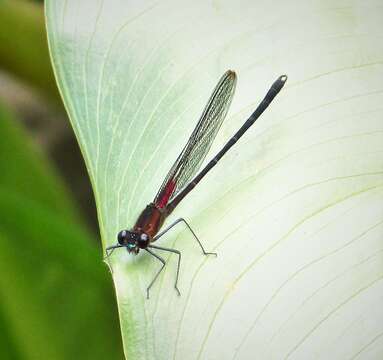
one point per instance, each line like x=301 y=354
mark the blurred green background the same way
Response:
x=56 y=296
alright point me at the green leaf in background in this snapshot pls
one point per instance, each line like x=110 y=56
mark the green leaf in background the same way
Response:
x=294 y=211
x=25 y=171
x=55 y=299
x=24 y=49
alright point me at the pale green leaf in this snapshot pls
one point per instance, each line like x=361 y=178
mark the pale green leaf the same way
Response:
x=294 y=211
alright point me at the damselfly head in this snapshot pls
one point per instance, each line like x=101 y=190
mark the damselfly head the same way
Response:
x=129 y=239
x=132 y=240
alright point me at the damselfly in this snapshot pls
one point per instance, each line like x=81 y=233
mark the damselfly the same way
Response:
x=182 y=178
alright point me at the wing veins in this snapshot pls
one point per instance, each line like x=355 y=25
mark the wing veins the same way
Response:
x=190 y=159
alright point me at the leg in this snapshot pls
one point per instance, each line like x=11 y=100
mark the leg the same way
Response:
x=195 y=236
x=178 y=265
x=110 y=253
x=111 y=248
x=158 y=273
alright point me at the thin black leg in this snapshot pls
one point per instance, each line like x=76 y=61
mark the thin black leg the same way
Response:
x=158 y=273
x=108 y=254
x=191 y=230
x=178 y=265
x=111 y=248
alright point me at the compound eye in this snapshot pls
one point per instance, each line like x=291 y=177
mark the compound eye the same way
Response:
x=144 y=237
x=121 y=237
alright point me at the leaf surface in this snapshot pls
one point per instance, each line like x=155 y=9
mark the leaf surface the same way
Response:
x=294 y=211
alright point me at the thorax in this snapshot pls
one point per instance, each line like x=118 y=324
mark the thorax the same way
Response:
x=150 y=221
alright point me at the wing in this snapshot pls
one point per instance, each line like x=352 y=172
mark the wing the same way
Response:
x=200 y=141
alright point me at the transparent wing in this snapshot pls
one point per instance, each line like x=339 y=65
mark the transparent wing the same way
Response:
x=200 y=141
